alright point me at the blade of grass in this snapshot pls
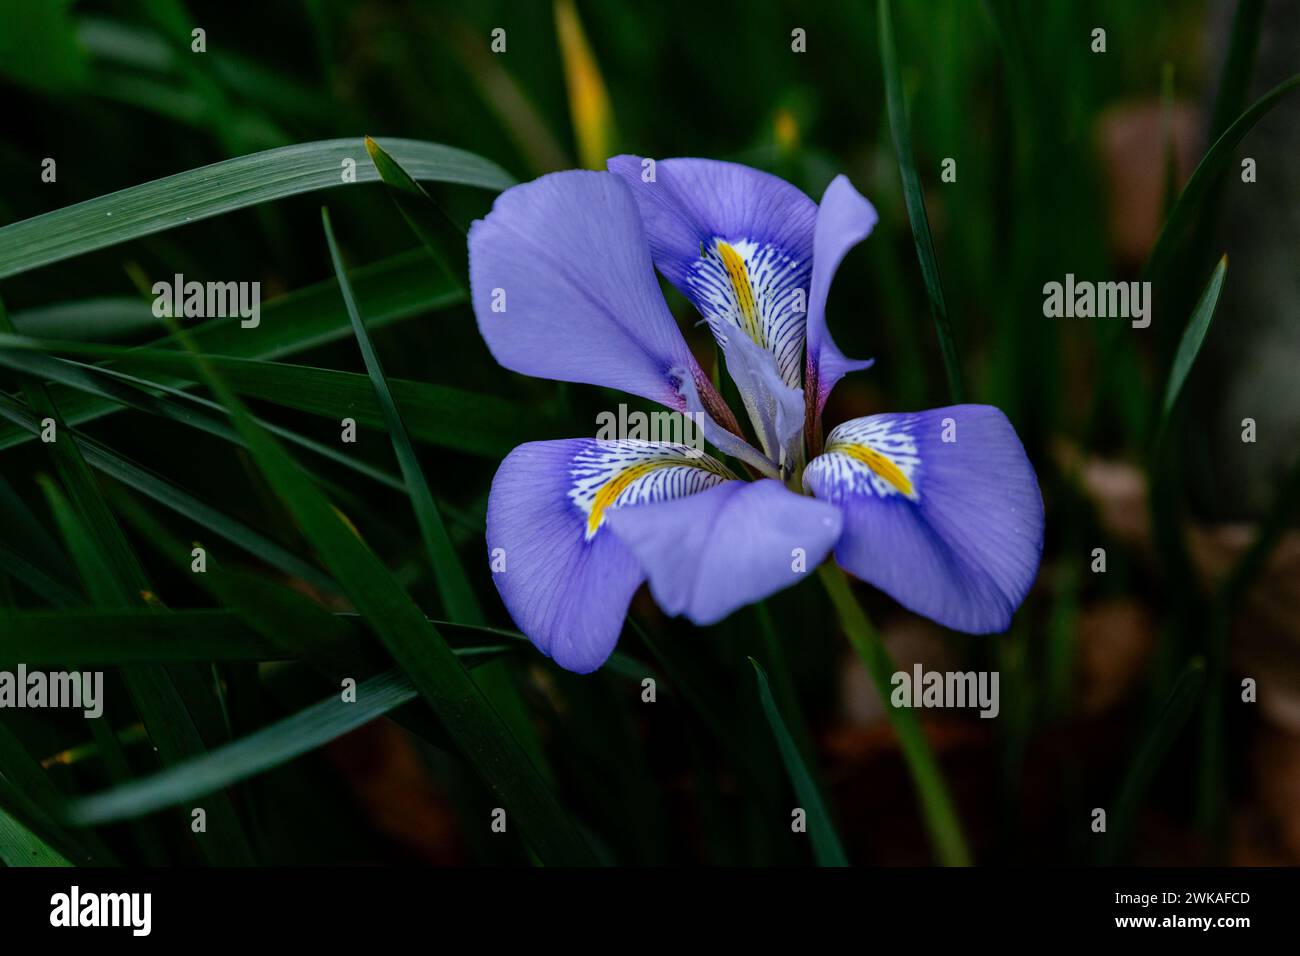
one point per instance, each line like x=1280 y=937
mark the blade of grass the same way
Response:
x=1238 y=65
x=1210 y=803
x=104 y=459
x=127 y=636
x=826 y=846
x=1198 y=326
x=173 y=403
x=1165 y=472
x=145 y=635
x=37 y=579
x=220 y=188
x=91 y=319
x=26 y=789
x=936 y=803
x=443 y=238
x=92 y=569
x=440 y=415
x=152 y=689
x=120 y=581
x=418 y=647
x=19 y=846
x=1207 y=171
x=900 y=128
x=454 y=589
x=453 y=583
x=388 y=291
x=263 y=750
x=1178 y=708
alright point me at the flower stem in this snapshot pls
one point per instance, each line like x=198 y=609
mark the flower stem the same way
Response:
x=940 y=814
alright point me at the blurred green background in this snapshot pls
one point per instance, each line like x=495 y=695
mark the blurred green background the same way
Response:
x=1119 y=690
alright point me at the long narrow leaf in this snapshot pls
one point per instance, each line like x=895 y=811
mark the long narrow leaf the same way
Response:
x=1204 y=175
x=418 y=648
x=19 y=846
x=270 y=747
x=1198 y=326
x=1149 y=757
x=114 y=578
x=827 y=849
x=106 y=460
x=900 y=129
x=453 y=584
x=220 y=188
x=438 y=414
x=443 y=238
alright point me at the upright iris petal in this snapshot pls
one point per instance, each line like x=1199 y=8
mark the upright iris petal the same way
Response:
x=563 y=288
x=844 y=219
x=563 y=577
x=941 y=511
x=735 y=241
x=738 y=243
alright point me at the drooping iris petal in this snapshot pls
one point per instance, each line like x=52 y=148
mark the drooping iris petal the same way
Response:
x=736 y=241
x=564 y=578
x=775 y=408
x=563 y=288
x=709 y=554
x=941 y=511
x=844 y=219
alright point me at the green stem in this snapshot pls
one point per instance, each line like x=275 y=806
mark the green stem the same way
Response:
x=940 y=814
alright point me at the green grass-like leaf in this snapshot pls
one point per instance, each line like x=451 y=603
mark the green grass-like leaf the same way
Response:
x=900 y=129
x=388 y=291
x=1203 y=177
x=449 y=574
x=827 y=849
x=1198 y=326
x=453 y=583
x=443 y=238
x=109 y=462
x=937 y=806
x=220 y=188
x=19 y=846
x=114 y=577
x=1178 y=707
x=437 y=414
x=418 y=648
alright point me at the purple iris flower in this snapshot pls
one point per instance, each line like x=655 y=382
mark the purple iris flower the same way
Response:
x=940 y=509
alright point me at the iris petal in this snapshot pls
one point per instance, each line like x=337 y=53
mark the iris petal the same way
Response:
x=941 y=511
x=565 y=580
x=776 y=409
x=736 y=241
x=844 y=219
x=739 y=542
x=563 y=288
